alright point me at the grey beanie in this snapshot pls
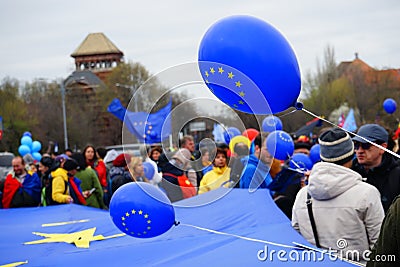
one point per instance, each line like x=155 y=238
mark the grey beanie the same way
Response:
x=336 y=146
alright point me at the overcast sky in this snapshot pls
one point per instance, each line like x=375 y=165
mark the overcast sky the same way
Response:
x=38 y=37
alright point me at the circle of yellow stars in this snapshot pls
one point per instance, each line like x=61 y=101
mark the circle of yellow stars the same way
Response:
x=131 y=214
x=238 y=84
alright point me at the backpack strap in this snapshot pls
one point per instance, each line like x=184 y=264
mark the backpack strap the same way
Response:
x=311 y=215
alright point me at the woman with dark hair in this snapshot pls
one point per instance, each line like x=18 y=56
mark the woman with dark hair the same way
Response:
x=90 y=184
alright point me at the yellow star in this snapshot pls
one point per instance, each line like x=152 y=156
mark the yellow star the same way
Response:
x=212 y=70
x=123 y=224
x=238 y=84
x=230 y=75
x=206 y=73
x=123 y=218
x=148 y=131
x=81 y=239
x=150 y=127
x=148 y=227
x=144 y=232
x=127 y=214
x=146 y=216
x=220 y=70
x=207 y=81
x=242 y=94
x=241 y=102
x=140 y=212
x=148 y=221
x=133 y=211
x=235 y=105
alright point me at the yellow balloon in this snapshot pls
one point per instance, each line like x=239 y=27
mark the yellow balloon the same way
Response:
x=239 y=139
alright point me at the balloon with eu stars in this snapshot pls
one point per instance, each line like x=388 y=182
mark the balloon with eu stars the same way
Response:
x=280 y=145
x=389 y=105
x=141 y=210
x=249 y=65
x=271 y=123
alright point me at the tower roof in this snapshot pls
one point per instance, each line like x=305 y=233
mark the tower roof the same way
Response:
x=96 y=44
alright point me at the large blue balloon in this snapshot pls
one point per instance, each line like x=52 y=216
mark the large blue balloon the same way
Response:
x=230 y=133
x=23 y=150
x=239 y=50
x=141 y=210
x=149 y=170
x=302 y=161
x=280 y=145
x=390 y=105
x=36 y=146
x=26 y=140
x=271 y=123
x=314 y=153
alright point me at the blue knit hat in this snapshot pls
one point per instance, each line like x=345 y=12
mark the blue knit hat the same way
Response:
x=336 y=146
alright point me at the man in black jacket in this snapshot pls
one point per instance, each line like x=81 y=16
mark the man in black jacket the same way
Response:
x=380 y=169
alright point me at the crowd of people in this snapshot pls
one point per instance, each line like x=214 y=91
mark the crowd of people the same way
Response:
x=356 y=182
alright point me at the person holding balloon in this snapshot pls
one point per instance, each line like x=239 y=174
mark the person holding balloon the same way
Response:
x=20 y=189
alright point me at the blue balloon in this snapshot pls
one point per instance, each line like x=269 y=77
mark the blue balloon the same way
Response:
x=149 y=170
x=141 y=210
x=314 y=153
x=26 y=140
x=245 y=60
x=23 y=150
x=36 y=146
x=230 y=133
x=302 y=161
x=37 y=156
x=271 y=123
x=280 y=145
x=390 y=105
x=27 y=134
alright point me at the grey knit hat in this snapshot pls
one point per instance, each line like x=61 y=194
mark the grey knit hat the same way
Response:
x=336 y=146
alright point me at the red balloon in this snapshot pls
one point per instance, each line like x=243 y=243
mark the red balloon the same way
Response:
x=250 y=133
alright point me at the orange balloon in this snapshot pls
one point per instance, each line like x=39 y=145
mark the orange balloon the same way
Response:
x=250 y=133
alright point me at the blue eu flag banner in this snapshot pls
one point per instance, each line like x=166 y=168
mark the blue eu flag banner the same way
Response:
x=350 y=122
x=147 y=127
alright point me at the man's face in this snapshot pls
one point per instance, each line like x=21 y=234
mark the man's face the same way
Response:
x=369 y=155
x=265 y=156
x=189 y=145
x=18 y=167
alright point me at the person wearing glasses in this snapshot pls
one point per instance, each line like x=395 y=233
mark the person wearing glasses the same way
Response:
x=380 y=169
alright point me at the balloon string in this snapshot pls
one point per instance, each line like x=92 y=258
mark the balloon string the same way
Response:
x=366 y=140
x=284 y=115
x=240 y=237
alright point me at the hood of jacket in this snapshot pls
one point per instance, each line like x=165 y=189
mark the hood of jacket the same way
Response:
x=60 y=172
x=328 y=180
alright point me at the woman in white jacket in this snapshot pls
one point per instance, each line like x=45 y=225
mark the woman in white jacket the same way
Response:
x=347 y=212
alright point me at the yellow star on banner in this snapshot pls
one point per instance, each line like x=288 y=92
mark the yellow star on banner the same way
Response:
x=133 y=211
x=241 y=102
x=14 y=264
x=220 y=70
x=212 y=70
x=238 y=84
x=242 y=94
x=206 y=73
x=81 y=239
x=140 y=212
x=230 y=75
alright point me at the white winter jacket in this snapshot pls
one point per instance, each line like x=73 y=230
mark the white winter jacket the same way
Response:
x=348 y=212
